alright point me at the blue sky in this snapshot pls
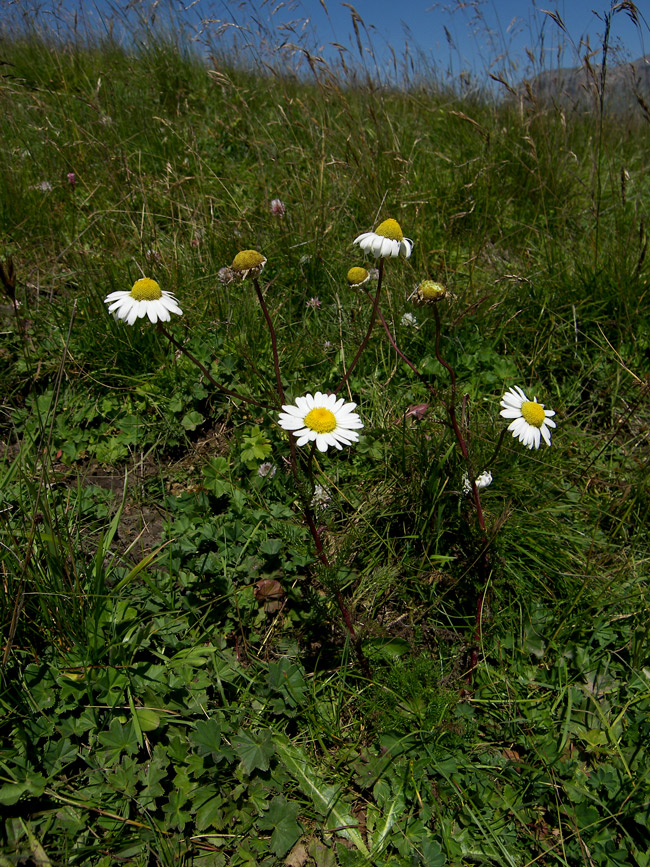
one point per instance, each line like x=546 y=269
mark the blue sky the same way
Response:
x=450 y=36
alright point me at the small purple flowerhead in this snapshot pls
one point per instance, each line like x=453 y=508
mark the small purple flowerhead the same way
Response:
x=225 y=275
x=278 y=208
x=72 y=180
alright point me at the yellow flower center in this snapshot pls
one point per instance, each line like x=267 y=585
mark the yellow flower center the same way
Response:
x=321 y=420
x=430 y=291
x=146 y=290
x=246 y=260
x=390 y=229
x=533 y=413
x=357 y=275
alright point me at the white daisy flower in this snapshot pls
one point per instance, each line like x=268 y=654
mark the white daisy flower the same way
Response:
x=386 y=240
x=530 y=422
x=146 y=298
x=323 y=419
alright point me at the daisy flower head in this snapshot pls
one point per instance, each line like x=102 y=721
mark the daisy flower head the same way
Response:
x=247 y=263
x=323 y=419
x=428 y=292
x=357 y=277
x=387 y=240
x=530 y=421
x=146 y=298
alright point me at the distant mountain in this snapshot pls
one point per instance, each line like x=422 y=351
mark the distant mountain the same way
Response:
x=627 y=87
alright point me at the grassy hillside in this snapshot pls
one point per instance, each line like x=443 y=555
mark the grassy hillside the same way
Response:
x=219 y=649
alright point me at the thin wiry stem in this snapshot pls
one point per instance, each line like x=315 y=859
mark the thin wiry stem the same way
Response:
x=274 y=342
x=204 y=370
x=371 y=324
x=322 y=556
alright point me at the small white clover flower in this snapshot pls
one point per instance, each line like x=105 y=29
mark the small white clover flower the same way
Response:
x=225 y=275
x=323 y=419
x=387 y=240
x=484 y=480
x=146 y=298
x=530 y=422
x=409 y=321
x=266 y=469
x=321 y=498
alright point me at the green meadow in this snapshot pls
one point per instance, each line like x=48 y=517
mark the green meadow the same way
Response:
x=222 y=648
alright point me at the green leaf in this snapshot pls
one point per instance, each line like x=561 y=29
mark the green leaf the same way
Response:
x=287 y=677
x=118 y=738
x=148 y=718
x=11 y=793
x=176 y=817
x=210 y=814
x=271 y=546
x=254 y=749
x=207 y=737
x=191 y=420
x=326 y=798
x=281 y=817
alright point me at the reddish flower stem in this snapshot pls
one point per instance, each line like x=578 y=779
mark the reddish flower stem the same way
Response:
x=204 y=370
x=371 y=324
x=322 y=556
x=274 y=343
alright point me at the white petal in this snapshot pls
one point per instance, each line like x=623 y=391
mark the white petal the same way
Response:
x=511 y=412
x=124 y=301
x=550 y=423
x=407 y=247
x=322 y=442
x=350 y=421
x=549 y=412
x=113 y=296
x=290 y=422
x=295 y=411
x=170 y=304
x=545 y=433
x=304 y=404
x=305 y=438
